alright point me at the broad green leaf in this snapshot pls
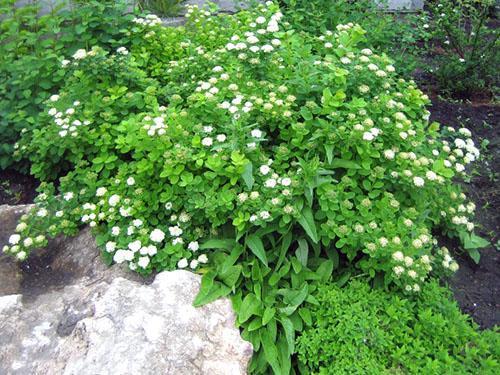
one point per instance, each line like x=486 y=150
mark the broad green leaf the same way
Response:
x=255 y=244
x=475 y=255
x=307 y=222
x=325 y=270
x=268 y=315
x=249 y=306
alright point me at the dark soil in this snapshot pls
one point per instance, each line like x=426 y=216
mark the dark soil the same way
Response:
x=16 y=188
x=477 y=286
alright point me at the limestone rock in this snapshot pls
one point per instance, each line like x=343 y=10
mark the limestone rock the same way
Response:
x=68 y=313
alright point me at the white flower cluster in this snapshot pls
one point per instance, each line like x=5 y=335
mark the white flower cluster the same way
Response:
x=156 y=125
x=149 y=20
x=66 y=120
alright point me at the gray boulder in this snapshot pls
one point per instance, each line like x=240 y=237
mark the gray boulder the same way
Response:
x=67 y=313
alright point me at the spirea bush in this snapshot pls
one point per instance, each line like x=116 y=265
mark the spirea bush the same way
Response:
x=360 y=330
x=265 y=159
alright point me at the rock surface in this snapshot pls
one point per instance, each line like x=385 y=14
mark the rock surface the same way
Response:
x=67 y=313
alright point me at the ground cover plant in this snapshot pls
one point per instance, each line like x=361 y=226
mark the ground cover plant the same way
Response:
x=268 y=160
x=360 y=330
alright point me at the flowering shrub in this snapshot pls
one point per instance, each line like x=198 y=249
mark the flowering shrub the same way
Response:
x=262 y=158
x=470 y=55
x=30 y=63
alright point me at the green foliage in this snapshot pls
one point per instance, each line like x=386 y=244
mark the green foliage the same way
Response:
x=401 y=36
x=470 y=56
x=357 y=329
x=268 y=160
x=32 y=48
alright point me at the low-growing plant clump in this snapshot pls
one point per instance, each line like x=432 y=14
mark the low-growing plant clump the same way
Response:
x=357 y=329
x=270 y=161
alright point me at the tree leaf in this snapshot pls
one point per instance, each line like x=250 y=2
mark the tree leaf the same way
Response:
x=255 y=244
x=307 y=222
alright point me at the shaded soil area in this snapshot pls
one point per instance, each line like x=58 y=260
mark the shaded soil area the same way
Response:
x=16 y=188
x=477 y=286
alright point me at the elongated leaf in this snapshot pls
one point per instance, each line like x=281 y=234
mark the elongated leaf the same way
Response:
x=307 y=222
x=270 y=351
x=210 y=290
x=329 y=153
x=255 y=244
x=268 y=315
x=227 y=244
x=248 y=175
x=285 y=245
x=289 y=334
x=302 y=252
x=346 y=164
x=249 y=306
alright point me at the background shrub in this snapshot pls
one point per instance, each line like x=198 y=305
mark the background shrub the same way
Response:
x=32 y=48
x=357 y=329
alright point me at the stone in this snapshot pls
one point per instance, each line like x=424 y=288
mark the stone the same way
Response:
x=68 y=313
x=401 y=5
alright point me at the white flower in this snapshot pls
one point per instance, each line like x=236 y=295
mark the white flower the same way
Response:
x=113 y=200
x=130 y=181
x=110 y=246
x=21 y=226
x=418 y=181
x=115 y=231
x=135 y=246
x=175 y=231
x=14 y=239
x=368 y=136
x=412 y=274
x=64 y=63
x=286 y=181
x=80 y=54
x=264 y=215
x=143 y=262
x=459 y=167
x=152 y=250
x=431 y=176
x=270 y=183
x=256 y=133
x=203 y=258
x=168 y=206
x=207 y=141
x=183 y=263
x=157 y=235
x=119 y=256
x=54 y=98
x=193 y=246
x=264 y=169
x=122 y=51
x=398 y=256
x=100 y=192
x=221 y=137
x=193 y=264
x=408 y=261
x=389 y=154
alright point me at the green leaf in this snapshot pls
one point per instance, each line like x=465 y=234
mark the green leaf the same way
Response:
x=270 y=351
x=210 y=290
x=306 y=220
x=473 y=241
x=302 y=252
x=269 y=313
x=249 y=306
x=325 y=270
x=248 y=175
x=329 y=153
x=255 y=244
x=475 y=255
x=226 y=244
x=346 y=164
x=289 y=334
x=230 y=275
x=306 y=113
x=305 y=314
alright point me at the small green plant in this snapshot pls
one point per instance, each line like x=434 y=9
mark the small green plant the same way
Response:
x=161 y=7
x=468 y=64
x=357 y=329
